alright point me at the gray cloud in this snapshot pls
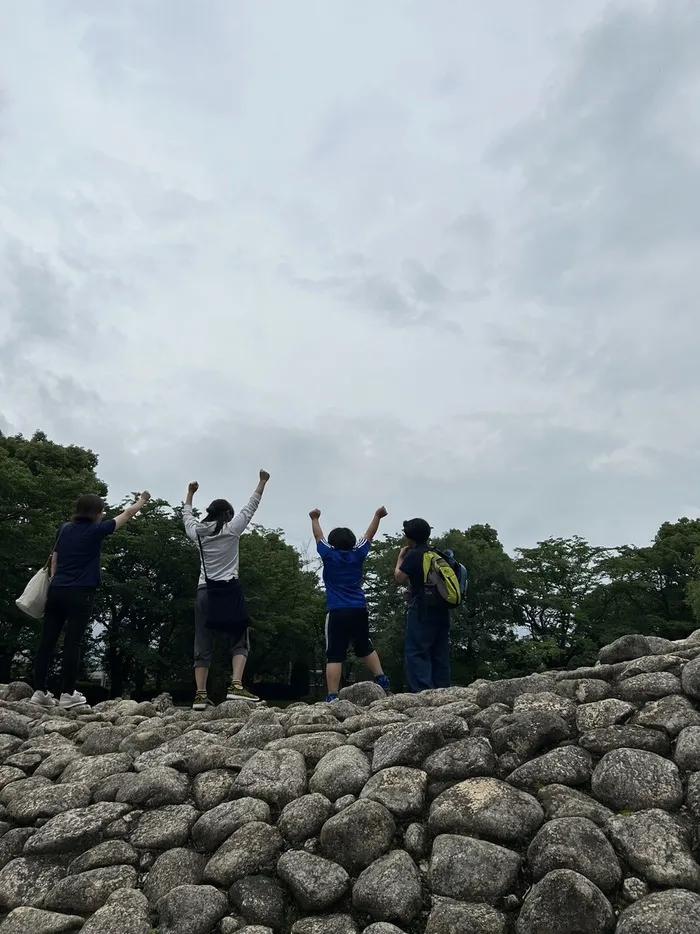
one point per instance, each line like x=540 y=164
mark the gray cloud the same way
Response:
x=459 y=279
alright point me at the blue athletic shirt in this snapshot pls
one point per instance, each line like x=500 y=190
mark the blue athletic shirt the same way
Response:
x=79 y=549
x=342 y=575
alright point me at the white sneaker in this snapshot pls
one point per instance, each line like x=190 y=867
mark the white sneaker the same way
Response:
x=43 y=699
x=76 y=699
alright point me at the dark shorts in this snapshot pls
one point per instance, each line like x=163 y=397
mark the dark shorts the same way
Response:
x=344 y=627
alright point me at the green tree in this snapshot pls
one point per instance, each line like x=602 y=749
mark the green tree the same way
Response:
x=40 y=482
x=145 y=608
x=554 y=579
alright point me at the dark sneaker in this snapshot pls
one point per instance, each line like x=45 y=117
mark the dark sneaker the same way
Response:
x=383 y=683
x=201 y=701
x=331 y=698
x=238 y=692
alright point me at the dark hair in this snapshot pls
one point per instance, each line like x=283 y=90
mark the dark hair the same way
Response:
x=342 y=539
x=89 y=506
x=219 y=511
x=417 y=530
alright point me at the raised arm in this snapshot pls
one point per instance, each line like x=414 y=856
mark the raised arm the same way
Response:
x=317 y=531
x=187 y=515
x=373 y=527
x=398 y=573
x=129 y=513
x=240 y=522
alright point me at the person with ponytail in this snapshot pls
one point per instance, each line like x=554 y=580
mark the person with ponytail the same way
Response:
x=220 y=604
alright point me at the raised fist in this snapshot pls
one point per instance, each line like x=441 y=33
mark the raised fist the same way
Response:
x=193 y=487
x=315 y=514
x=381 y=513
x=264 y=476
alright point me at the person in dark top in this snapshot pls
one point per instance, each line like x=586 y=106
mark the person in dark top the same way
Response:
x=427 y=643
x=347 y=620
x=75 y=576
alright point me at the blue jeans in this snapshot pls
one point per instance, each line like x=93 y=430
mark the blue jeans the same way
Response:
x=427 y=647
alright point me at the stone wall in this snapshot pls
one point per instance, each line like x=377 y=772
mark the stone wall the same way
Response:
x=561 y=803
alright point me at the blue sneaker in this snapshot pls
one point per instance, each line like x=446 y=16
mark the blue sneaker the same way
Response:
x=383 y=683
x=331 y=698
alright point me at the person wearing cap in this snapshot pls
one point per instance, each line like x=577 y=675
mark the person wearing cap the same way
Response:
x=427 y=640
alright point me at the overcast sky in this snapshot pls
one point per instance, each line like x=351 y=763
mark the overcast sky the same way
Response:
x=436 y=254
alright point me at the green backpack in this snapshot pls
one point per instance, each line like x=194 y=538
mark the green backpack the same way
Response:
x=442 y=583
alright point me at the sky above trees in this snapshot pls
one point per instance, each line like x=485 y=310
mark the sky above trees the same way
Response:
x=438 y=256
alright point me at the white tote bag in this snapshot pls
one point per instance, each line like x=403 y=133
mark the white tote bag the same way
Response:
x=33 y=600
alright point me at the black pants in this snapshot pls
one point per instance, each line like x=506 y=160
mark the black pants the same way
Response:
x=69 y=608
x=344 y=627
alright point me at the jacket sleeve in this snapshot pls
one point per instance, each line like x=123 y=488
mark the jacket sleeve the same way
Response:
x=240 y=522
x=191 y=524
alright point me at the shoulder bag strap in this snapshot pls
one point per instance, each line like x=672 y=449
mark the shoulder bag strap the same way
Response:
x=201 y=551
x=55 y=543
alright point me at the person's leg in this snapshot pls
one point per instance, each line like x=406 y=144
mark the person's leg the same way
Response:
x=54 y=621
x=366 y=652
x=203 y=645
x=440 y=654
x=418 y=643
x=337 y=642
x=240 y=649
x=78 y=618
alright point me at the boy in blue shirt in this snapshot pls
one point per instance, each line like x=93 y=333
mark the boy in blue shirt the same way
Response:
x=347 y=620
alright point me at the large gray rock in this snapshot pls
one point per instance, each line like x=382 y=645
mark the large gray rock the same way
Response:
x=326 y=924
x=565 y=902
x=389 y=889
x=74 y=830
x=672 y=912
x=634 y=780
x=602 y=713
x=343 y=771
x=671 y=714
x=302 y=819
x=568 y=765
x=652 y=843
x=523 y=735
x=466 y=758
x=692 y=797
x=109 y=853
x=275 y=776
x=575 y=843
x=251 y=849
x=625 y=736
x=260 y=900
x=91 y=771
x=210 y=789
x=472 y=870
x=217 y=825
x=505 y=692
x=36 y=921
x=584 y=690
x=312 y=746
x=649 y=686
x=451 y=917
x=153 y=788
x=173 y=868
x=358 y=835
x=400 y=789
x=690 y=678
x=409 y=744
x=86 y=892
x=624 y=649
x=126 y=912
x=363 y=693
x=548 y=702
x=47 y=801
x=489 y=808
x=165 y=827
x=191 y=909
x=26 y=881
x=687 y=752
x=315 y=883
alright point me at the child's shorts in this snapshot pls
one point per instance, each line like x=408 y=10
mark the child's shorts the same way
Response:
x=344 y=627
